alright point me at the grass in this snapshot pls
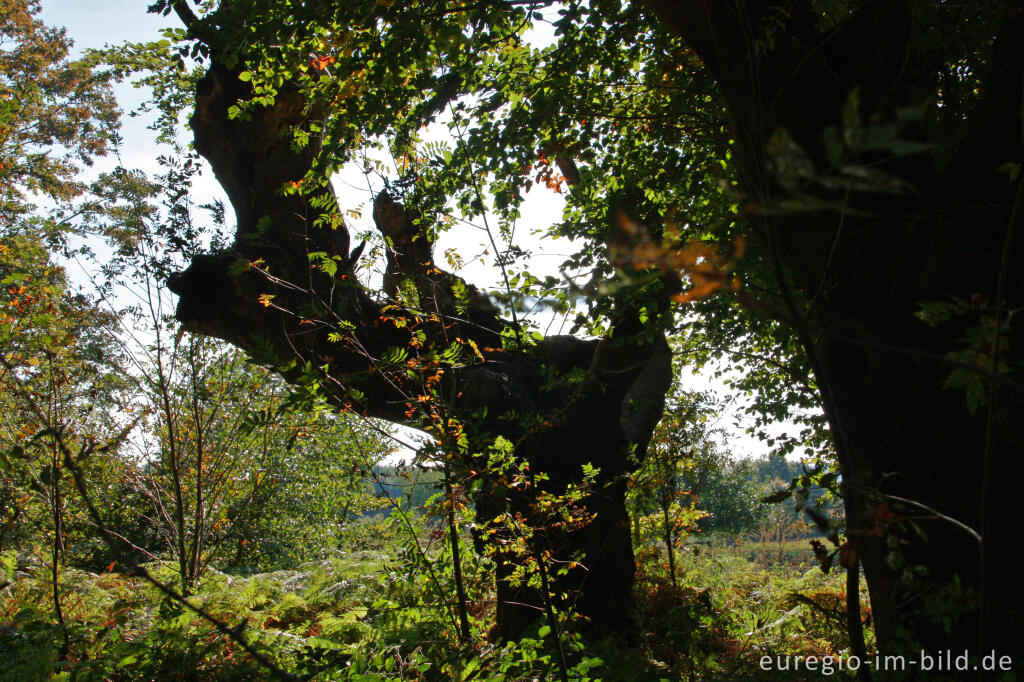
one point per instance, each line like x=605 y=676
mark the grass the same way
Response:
x=373 y=615
x=759 y=603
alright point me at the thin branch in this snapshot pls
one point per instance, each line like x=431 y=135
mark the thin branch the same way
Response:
x=939 y=515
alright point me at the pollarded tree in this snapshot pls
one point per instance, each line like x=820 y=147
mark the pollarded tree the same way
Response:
x=430 y=350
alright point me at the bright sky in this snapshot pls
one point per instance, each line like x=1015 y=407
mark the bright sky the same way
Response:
x=94 y=23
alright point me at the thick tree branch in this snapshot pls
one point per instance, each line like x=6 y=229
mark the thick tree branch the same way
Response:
x=263 y=292
x=412 y=277
x=185 y=13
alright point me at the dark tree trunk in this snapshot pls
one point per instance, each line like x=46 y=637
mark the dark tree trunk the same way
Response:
x=606 y=422
x=854 y=278
x=263 y=296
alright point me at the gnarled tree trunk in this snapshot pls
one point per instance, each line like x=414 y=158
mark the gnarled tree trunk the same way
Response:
x=263 y=295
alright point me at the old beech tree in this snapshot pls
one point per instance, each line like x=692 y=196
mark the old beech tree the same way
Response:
x=496 y=387
x=871 y=151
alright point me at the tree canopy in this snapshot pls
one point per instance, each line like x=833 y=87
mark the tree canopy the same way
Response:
x=55 y=113
x=824 y=191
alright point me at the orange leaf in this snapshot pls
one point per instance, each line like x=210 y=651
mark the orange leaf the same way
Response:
x=321 y=63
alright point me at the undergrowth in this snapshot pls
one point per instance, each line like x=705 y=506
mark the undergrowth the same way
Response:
x=371 y=615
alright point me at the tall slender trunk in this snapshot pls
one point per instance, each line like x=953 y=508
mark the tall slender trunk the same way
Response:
x=669 y=544
x=171 y=459
x=57 y=510
x=549 y=613
x=854 y=624
x=199 y=520
x=453 y=536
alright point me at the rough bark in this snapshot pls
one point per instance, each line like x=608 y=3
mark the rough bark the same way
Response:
x=856 y=278
x=262 y=295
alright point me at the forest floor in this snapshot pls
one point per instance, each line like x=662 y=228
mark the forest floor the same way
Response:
x=374 y=615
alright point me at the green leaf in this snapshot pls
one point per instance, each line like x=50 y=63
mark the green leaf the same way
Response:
x=1012 y=170
x=394 y=355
